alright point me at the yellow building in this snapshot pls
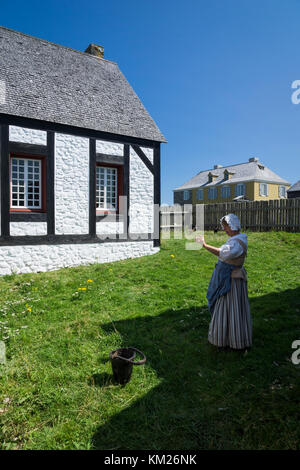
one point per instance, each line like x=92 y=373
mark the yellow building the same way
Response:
x=251 y=181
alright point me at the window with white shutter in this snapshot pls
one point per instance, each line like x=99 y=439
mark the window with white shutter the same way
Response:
x=282 y=191
x=263 y=189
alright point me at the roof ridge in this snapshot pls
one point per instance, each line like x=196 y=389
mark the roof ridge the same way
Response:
x=55 y=44
x=227 y=166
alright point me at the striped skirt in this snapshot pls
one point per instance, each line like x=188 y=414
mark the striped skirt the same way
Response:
x=231 y=323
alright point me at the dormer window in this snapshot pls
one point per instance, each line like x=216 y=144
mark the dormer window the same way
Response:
x=211 y=177
x=228 y=174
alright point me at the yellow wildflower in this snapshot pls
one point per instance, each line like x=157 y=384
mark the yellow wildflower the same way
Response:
x=172 y=256
x=29 y=309
x=89 y=280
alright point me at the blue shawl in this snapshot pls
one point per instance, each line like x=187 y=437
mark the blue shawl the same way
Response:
x=220 y=283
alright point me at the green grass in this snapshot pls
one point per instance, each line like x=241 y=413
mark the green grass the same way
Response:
x=57 y=390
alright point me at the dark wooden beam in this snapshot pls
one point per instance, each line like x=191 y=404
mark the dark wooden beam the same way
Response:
x=28 y=217
x=50 y=180
x=110 y=218
x=92 y=207
x=70 y=239
x=32 y=149
x=143 y=157
x=157 y=198
x=114 y=159
x=73 y=130
x=4 y=136
x=126 y=187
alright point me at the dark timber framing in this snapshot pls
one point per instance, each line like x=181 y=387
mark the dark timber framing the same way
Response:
x=156 y=189
x=126 y=206
x=49 y=151
x=143 y=157
x=92 y=196
x=50 y=204
x=105 y=158
x=73 y=130
x=71 y=239
x=4 y=181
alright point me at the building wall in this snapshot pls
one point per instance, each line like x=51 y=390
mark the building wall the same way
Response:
x=252 y=193
x=141 y=194
x=179 y=199
x=72 y=209
x=71 y=185
x=41 y=258
x=273 y=192
x=27 y=136
x=293 y=194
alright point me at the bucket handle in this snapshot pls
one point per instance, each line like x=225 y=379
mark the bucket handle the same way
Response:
x=137 y=363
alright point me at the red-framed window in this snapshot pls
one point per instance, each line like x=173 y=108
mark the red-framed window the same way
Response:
x=109 y=187
x=27 y=183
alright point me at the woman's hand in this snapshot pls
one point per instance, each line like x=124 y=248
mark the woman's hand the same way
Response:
x=200 y=239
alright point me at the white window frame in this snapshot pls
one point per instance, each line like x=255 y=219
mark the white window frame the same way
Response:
x=199 y=195
x=186 y=195
x=26 y=182
x=106 y=189
x=212 y=193
x=263 y=189
x=279 y=191
x=240 y=189
x=226 y=192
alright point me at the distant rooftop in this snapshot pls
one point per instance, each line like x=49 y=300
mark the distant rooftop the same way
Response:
x=295 y=187
x=253 y=170
x=49 y=82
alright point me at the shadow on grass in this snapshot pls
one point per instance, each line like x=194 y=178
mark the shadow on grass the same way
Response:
x=208 y=399
x=102 y=380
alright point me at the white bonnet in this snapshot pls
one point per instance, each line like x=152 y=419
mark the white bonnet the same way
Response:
x=233 y=221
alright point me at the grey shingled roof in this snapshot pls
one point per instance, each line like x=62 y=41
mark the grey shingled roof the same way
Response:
x=295 y=187
x=243 y=172
x=46 y=81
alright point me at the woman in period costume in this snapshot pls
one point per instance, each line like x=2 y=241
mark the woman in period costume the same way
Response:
x=227 y=295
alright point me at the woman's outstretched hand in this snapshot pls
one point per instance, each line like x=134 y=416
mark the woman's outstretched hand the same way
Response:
x=200 y=239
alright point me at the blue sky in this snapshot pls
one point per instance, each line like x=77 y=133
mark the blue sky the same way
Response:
x=215 y=75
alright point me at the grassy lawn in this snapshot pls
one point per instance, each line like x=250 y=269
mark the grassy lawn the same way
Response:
x=57 y=390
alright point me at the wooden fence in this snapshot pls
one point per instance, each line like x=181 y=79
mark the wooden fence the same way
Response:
x=260 y=216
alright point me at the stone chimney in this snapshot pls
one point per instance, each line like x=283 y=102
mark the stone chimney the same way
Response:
x=253 y=159
x=95 y=50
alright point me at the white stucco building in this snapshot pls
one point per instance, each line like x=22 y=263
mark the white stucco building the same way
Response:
x=80 y=159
